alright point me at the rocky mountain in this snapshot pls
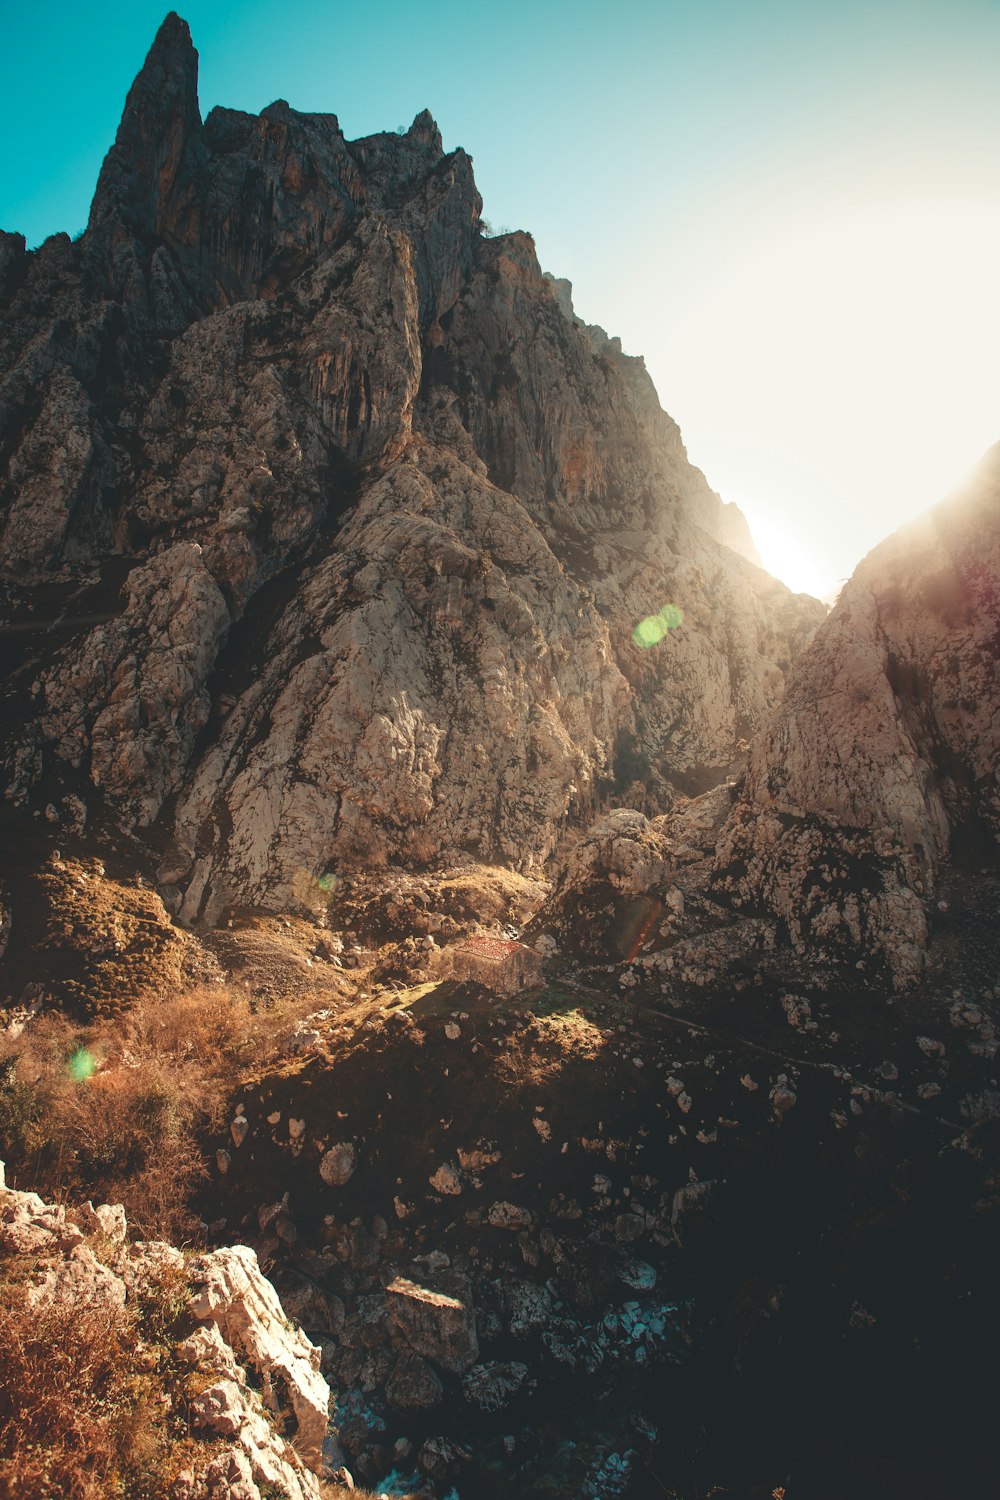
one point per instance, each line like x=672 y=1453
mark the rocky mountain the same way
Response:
x=875 y=778
x=325 y=526
x=442 y=868
x=880 y=767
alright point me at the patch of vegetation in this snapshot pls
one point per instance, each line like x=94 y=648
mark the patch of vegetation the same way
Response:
x=114 y=1111
x=105 y=943
x=82 y=1381
x=538 y=1054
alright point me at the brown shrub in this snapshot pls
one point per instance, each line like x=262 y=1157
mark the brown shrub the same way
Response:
x=211 y=1024
x=112 y=1111
x=113 y=1114
x=31 y=1067
x=131 y=1134
x=70 y=1415
x=82 y=1386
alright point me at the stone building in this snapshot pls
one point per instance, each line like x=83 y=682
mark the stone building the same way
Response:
x=502 y=964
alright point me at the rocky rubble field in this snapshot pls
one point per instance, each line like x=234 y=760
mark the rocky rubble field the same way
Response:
x=631 y=1221
x=584 y=1240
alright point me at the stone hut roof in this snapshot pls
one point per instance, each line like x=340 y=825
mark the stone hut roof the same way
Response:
x=491 y=948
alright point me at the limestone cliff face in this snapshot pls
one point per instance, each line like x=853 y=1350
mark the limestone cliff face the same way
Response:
x=876 y=774
x=882 y=761
x=342 y=521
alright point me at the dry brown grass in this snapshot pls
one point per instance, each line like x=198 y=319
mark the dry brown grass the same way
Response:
x=63 y=1398
x=81 y=1386
x=273 y=959
x=447 y=902
x=532 y=1058
x=113 y=1110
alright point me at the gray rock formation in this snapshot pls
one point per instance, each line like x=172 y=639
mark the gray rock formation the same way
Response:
x=878 y=769
x=346 y=521
x=881 y=764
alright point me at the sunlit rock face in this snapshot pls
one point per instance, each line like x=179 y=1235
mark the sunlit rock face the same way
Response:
x=366 y=518
x=881 y=763
x=876 y=775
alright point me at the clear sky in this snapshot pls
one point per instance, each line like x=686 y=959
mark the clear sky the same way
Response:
x=792 y=209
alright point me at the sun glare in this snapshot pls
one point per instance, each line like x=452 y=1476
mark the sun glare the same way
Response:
x=783 y=556
x=844 y=379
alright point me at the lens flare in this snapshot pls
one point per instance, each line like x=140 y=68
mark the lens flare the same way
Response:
x=312 y=891
x=82 y=1065
x=651 y=630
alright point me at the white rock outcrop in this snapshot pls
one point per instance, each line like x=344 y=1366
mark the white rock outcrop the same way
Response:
x=243 y=1326
x=230 y=1291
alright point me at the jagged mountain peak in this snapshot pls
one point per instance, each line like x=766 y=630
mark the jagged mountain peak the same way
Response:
x=173 y=31
x=244 y=202
x=310 y=413
x=171 y=57
x=146 y=177
x=424 y=128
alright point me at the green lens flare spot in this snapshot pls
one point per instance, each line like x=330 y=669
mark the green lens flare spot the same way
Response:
x=651 y=630
x=81 y=1065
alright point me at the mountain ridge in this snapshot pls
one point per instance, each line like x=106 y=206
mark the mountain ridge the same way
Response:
x=267 y=339
x=438 y=864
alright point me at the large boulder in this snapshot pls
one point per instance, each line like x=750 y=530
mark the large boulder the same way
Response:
x=439 y=1324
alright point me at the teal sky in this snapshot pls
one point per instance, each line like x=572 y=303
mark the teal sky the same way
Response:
x=791 y=209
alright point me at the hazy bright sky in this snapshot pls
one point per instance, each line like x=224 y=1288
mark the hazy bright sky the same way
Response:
x=792 y=209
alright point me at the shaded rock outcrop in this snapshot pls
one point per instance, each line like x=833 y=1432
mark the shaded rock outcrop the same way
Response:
x=638 y=895
x=327 y=526
x=438 y=1322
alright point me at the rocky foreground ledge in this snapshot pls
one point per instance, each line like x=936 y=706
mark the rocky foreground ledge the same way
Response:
x=230 y=1367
